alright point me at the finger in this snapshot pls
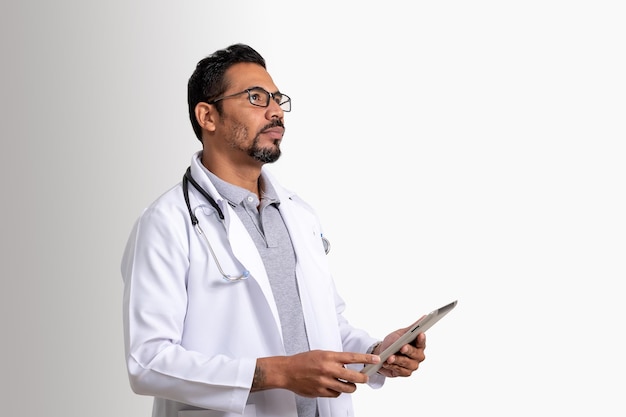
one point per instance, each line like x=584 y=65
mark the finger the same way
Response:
x=327 y=392
x=341 y=386
x=420 y=341
x=405 y=362
x=353 y=357
x=402 y=366
x=351 y=377
x=412 y=352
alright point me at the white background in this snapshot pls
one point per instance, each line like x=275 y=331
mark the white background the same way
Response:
x=469 y=150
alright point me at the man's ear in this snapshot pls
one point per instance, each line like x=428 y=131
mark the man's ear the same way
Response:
x=206 y=116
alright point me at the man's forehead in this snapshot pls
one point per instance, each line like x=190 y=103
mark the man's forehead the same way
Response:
x=245 y=75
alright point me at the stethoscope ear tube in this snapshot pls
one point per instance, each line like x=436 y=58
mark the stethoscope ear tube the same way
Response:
x=194 y=219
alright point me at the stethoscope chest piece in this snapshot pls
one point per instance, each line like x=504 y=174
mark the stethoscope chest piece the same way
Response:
x=326 y=244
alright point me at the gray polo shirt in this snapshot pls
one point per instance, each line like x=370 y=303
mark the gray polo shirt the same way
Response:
x=265 y=225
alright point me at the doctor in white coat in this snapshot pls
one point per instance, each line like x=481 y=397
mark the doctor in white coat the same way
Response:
x=202 y=322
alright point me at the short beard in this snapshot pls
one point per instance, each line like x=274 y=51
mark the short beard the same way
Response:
x=265 y=155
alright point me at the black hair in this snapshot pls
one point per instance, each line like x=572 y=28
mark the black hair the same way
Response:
x=207 y=81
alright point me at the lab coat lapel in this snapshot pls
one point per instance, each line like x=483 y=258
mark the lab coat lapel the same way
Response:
x=246 y=252
x=312 y=272
x=241 y=244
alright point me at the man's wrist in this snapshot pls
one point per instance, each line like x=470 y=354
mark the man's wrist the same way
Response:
x=268 y=373
x=373 y=349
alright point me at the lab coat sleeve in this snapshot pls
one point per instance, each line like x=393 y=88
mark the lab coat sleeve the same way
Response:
x=154 y=269
x=355 y=340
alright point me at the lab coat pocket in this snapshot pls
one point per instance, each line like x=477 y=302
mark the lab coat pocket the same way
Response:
x=249 y=411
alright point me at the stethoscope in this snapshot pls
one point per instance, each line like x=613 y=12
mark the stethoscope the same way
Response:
x=188 y=179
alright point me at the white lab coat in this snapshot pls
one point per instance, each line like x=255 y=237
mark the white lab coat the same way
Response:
x=192 y=338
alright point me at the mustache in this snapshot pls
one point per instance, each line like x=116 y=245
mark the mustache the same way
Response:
x=274 y=123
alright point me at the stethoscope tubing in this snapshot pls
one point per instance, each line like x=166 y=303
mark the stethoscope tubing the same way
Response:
x=187 y=179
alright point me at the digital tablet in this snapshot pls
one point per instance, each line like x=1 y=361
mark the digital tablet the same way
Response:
x=420 y=326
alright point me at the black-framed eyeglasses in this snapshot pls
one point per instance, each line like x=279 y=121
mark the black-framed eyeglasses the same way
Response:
x=260 y=97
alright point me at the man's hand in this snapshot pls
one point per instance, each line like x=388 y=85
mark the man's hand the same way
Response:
x=407 y=360
x=317 y=373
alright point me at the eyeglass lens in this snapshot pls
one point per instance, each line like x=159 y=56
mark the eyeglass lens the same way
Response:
x=260 y=97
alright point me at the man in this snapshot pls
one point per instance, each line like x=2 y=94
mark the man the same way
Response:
x=229 y=305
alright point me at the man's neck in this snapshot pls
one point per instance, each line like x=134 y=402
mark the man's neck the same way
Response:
x=244 y=175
